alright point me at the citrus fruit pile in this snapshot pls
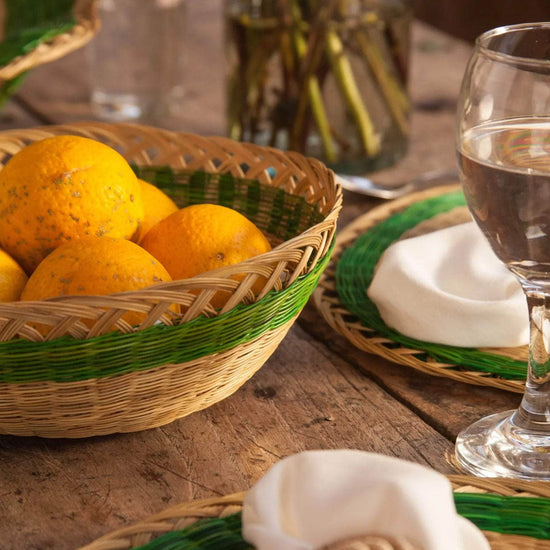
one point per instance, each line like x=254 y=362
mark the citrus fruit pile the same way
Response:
x=75 y=220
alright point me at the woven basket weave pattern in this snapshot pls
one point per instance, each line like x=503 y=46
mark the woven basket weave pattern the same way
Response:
x=134 y=401
x=86 y=379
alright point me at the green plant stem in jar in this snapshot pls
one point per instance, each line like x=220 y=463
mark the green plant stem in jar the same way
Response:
x=326 y=78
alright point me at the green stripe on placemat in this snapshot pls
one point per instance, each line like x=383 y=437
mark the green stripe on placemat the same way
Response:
x=355 y=270
x=507 y=515
x=29 y=23
x=8 y=88
x=528 y=516
x=207 y=534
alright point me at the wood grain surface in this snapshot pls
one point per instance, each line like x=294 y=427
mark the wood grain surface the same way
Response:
x=315 y=392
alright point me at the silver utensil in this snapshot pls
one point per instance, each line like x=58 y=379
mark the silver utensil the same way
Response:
x=364 y=185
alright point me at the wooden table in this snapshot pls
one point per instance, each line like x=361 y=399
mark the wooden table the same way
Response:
x=316 y=391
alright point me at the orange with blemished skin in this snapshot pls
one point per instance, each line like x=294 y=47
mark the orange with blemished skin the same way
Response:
x=202 y=237
x=62 y=188
x=95 y=266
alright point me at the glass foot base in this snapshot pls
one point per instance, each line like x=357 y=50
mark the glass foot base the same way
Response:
x=496 y=446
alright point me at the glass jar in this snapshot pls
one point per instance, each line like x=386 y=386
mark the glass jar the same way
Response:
x=326 y=78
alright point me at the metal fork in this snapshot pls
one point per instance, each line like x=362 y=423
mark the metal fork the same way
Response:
x=365 y=186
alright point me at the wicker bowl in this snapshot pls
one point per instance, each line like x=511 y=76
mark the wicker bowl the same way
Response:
x=83 y=379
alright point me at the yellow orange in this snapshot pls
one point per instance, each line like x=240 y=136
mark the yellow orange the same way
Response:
x=95 y=266
x=157 y=205
x=203 y=237
x=61 y=188
x=12 y=278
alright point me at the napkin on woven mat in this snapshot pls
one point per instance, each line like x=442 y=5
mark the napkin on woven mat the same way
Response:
x=449 y=287
x=317 y=498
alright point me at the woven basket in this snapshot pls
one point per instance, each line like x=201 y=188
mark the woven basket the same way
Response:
x=83 y=379
x=342 y=300
x=33 y=33
x=502 y=508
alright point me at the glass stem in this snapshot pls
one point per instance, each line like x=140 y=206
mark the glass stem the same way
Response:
x=534 y=411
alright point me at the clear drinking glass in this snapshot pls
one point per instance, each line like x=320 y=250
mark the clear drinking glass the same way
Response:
x=137 y=60
x=503 y=142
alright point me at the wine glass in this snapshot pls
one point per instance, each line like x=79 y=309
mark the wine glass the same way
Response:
x=503 y=150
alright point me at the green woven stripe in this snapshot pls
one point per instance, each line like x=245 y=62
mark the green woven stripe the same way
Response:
x=505 y=514
x=28 y=24
x=509 y=515
x=67 y=360
x=209 y=534
x=8 y=88
x=272 y=209
x=354 y=273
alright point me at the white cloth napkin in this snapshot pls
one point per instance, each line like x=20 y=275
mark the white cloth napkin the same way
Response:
x=449 y=287
x=316 y=498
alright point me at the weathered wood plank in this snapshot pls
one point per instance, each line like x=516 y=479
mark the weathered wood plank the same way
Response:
x=446 y=404
x=14 y=115
x=59 y=494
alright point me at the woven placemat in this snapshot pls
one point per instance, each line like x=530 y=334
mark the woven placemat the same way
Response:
x=512 y=514
x=342 y=300
x=33 y=33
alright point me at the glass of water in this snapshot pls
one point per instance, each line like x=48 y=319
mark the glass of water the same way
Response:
x=503 y=147
x=137 y=60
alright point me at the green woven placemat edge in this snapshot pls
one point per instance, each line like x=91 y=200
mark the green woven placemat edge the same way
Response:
x=510 y=515
x=507 y=515
x=30 y=23
x=206 y=534
x=355 y=270
x=9 y=87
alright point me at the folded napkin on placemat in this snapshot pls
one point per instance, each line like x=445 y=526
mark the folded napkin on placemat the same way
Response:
x=317 y=498
x=449 y=287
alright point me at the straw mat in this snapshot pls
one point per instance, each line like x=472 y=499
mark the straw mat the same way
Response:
x=35 y=32
x=512 y=514
x=342 y=300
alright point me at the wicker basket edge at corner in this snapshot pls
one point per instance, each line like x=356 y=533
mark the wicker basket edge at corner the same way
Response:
x=85 y=28
x=118 y=401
